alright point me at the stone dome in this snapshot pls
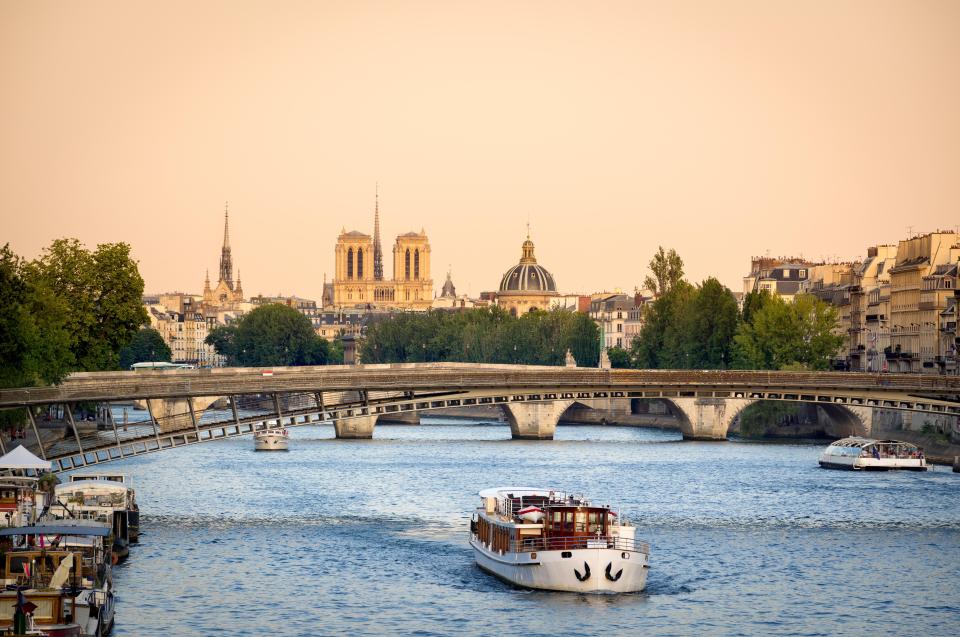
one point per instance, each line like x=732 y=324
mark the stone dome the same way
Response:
x=528 y=276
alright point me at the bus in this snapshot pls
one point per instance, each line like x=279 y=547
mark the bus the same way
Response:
x=159 y=367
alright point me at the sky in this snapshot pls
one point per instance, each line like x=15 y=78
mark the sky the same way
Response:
x=722 y=129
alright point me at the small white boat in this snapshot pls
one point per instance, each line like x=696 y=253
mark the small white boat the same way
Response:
x=549 y=540
x=868 y=454
x=272 y=440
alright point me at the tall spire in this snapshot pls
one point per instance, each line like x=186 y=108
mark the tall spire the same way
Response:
x=226 y=261
x=226 y=224
x=377 y=250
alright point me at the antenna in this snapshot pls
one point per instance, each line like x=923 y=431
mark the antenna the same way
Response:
x=909 y=232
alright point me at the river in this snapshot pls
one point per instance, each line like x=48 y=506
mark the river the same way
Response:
x=370 y=537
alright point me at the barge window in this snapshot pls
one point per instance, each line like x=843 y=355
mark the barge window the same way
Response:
x=566 y=554
x=594 y=522
x=581 y=522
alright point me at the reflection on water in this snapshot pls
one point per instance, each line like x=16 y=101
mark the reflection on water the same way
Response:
x=369 y=537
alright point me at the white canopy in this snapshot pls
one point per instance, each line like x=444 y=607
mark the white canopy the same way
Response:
x=21 y=458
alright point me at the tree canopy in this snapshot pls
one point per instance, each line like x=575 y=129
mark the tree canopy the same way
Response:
x=147 y=346
x=101 y=295
x=34 y=340
x=796 y=335
x=688 y=328
x=667 y=271
x=271 y=335
x=483 y=335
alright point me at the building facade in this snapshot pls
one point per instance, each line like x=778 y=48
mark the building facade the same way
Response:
x=611 y=314
x=359 y=279
x=185 y=334
x=922 y=279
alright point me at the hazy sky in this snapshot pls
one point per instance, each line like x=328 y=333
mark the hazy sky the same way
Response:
x=720 y=128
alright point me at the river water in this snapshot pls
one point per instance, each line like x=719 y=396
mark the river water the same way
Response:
x=370 y=537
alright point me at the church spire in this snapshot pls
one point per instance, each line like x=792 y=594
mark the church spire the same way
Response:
x=226 y=260
x=377 y=249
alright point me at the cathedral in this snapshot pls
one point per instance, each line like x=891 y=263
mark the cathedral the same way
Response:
x=359 y=277
x=227 y=295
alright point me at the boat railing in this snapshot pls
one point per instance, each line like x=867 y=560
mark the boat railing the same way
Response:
x=530 y=544
x=509 y=506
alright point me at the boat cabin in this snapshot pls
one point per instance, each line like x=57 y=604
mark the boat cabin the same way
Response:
x=522 y=520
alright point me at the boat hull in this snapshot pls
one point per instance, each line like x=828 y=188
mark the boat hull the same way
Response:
x=588 y=570
x=271 y=443
x=874 y=464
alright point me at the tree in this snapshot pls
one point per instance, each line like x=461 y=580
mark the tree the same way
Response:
x=619 y=358
x=101 y=292
x=661 y=343
x=485 y=335
x=147 y=346
x=222 y=338
x=34 y=341
x=271 y=335
x=667 y=269
x=796 y=335
x=709 y=327
x=752 y=303
x=583 y=339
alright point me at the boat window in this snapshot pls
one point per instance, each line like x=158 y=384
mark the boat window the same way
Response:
x=581 y=522
x=566 y=554
x=557 y=517
x=594 y=522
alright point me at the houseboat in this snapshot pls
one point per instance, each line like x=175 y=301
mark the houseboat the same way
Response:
x=106 y=498
x=57 y=579
x=543 y=539
x=873 y=455
x=276 y=439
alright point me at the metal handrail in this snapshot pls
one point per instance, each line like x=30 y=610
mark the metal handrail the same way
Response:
x=571 y=543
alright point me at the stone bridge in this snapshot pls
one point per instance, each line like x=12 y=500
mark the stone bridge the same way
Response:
x=193 y=406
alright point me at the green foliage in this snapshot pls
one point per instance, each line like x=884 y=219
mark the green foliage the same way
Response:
x=336 y=350
x=709 y=325
x=34 y=341
x=271 y=335
x=794 y=336
x=147 y=346
x=662 y=341
x=619 y=358
x=667 y=269
x=222 y=338
x=688 y=328
x=483 y=335
x=753 y=302
x=757 y=418
x=101 y=293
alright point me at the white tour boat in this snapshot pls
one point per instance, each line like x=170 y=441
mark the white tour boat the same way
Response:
x=873 y=455
x=549 y=540
x=276 y=439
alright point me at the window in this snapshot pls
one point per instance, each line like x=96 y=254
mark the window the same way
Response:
x=360 y=263
x=416 y=264
x=803 y=274
x=350 y=263
x=406 y=268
